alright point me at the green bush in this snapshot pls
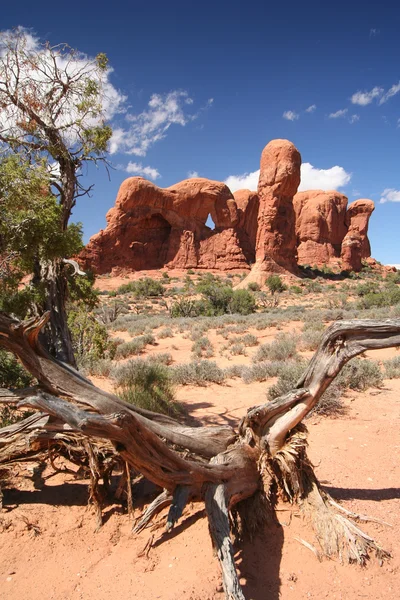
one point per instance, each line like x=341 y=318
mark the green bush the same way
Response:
x=295 y=289
x=165 y=333
x=147 y=384
x=387 y=297
x=254 y=286
x=369 y=287
x=275 y=284
x=143 y=288
x=242 y=302
x=90 y=339
x=198 y=372
x=12 y=376
x=282 y=348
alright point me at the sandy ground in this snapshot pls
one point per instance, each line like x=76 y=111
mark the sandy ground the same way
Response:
x=357 y=458
x=50 y=551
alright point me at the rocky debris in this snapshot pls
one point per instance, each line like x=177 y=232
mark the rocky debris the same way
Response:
x=355 y=245
x=320 y=226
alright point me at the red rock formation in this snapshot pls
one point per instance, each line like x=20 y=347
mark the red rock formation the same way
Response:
x=320 y=226
x=151 y=227
x=355 y=245
x=276 y=235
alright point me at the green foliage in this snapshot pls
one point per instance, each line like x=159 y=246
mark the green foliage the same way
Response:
x=261 y=371
x=89 y=337
x=147 y=384
x=253 y=286
x=12 y=373
x=275 y=284
x=369 y=287
x=242 y=302
x=143 y=288
x=30 y=233
x=388 y=297
x=360 y=374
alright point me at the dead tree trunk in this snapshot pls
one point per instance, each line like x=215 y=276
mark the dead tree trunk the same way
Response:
x=231 y=472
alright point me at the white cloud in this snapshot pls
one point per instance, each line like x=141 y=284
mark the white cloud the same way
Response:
x=390 y=195
x=138 y=169
x=311 y=108
x=247 y=181
x=365 y=98
x=323 y=179
x=395 y=89
x=395 y=265
x=311 y=179
x=151 y=125
x=354 y=118
x=193 y=175
x=338 y=114
x=36 y=79
x=290 y=115
x=373 y=32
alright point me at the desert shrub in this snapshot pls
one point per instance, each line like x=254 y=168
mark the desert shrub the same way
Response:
x=237 y=349
x=203 y=347
x=147 y=384
x=313 y=287
x=190 y=272
x=135 y=346
x=198 y=372
x=108 y=313
x=242 y=302
x=165 y=275
x=12 y=376
x=165 y=333
x=368 y=287
x=275 y=284
x=234 y=371
x=295 y=289
x=143 y=288
x=290 y=373
x=361 y=374
x=90 y=339
x=100 y=368
x=254 y=286
x=185 y=307
x=247 y=340
x=393 y=277
x=311 y=335
x=261 y=371
x=392 y=368
x=164 y=358
x=388 y=297
x=282 y=348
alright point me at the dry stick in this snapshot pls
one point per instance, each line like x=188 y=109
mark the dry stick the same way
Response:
x=218 y=519
x=179 y=501
x=163 y=500
x=94 y=495
x=129 y=490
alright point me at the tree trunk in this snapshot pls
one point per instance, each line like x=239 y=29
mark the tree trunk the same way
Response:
x=56 y=336
x=235 y=474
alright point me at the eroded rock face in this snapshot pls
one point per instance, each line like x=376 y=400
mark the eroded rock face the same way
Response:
x=151 y=227
x=279 y=179
x=320 y=226
x=355 y=245
x=273 y=229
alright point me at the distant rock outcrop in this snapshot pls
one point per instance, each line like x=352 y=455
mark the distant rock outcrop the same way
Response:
x=151 y=227
x=320 y=226
x=274 y=229
x=355 y=245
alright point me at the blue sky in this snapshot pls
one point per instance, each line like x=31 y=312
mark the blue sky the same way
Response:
x=227 y=77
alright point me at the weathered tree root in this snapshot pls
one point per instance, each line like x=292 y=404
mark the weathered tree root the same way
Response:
x=236 y=475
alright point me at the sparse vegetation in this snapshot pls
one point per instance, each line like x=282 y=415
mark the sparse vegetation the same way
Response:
x=282 y=348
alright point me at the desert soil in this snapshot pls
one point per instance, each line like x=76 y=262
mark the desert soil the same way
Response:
x=49 y=549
